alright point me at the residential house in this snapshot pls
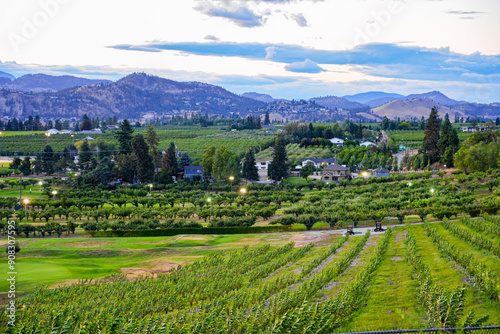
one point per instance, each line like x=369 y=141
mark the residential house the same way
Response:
x=319 y=162
x=262 y=163
x=380 y=172
x=335 y=173
x=337 y=141
x=474 y=128
x=52 y=132
x=191 y=172
x=367 y=144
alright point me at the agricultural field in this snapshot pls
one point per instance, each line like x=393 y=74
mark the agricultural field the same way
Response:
x=416 y=138
x=295 y=153
x=192 y=141
x=264 y=283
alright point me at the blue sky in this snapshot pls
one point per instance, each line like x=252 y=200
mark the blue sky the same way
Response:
x=285 y=48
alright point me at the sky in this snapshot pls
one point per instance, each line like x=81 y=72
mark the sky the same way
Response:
x=284 y=48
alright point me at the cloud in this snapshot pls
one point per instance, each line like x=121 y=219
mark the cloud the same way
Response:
x=241 y=16
x=211 y=38
x=300 y=19
x=270 y=52
x=306 y=66
x=461 y=12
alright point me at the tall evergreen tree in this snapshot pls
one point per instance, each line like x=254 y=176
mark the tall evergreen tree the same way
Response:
x=124 y=137
x=145 y=166
x=431 y=138
x=250 y=171
x=266 y=118
x=25 y=166
x=278 y=168
x=48 y=160
x=184 y=160
x=153 y=142
x=85 y=153
x=86 y=123
x=169 y=160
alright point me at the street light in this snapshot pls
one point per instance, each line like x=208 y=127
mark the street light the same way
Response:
x=432 y=192
x=364 y=174
x=47 y=134
x=243 y=191
x=26 y=202
x=231 y=178
x=54 y=192
x=150 y=187
x=40 y=184
x=210 y=201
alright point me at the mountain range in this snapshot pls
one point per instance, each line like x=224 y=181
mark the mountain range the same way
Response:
x=138 y=96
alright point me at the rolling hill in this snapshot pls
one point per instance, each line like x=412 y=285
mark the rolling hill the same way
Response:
x=414 y=108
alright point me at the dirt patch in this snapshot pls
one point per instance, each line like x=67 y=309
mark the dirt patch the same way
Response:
x=319 y=238
x=84 y=244
x=469 y=280
x=98 y=252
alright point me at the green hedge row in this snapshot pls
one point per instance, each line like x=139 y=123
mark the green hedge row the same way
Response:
x=164 y=232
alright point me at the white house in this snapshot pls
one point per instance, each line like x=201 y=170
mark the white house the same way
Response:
x=367 y=144
x=337 y=141
x=53 y=131
x=93 y=131
x=262 y=163
x=473 y=128
x=319 y=162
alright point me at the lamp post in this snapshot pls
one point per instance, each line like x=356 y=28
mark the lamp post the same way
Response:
x=47 y=134
x=210 y=201
x=150 y=187
x=432 y=192
x=231 y=178
x=26 y=202
x=243 y=191
x=40 y=184
x=54 y=192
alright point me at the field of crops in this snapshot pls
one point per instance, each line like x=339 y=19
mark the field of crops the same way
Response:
x=193 y=141
x=295 y=153
x=416 y=138
x=403 y=278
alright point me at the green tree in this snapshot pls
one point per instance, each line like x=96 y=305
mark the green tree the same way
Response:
x=48 y=160
x=85 y=153
x=169 y=160
x=145 y=165
x=153 y=142
x=127 y=167
x=25 y=167
x=250 y=171
x=431 y=138
x=124 y=137
x=278 y=168
x=207 y=161
x=266 y=118
x=16 y=163
x=307 y=170
x=184 y=160
x=225 y=164
x=86 y=123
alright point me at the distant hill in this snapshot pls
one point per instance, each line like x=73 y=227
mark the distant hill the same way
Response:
x=333 y=102
x=370 y=96
x=47 y=83
x=259 y=97
x=130 y=97
x=435 y=96
x=415 y=108
x=6 y=75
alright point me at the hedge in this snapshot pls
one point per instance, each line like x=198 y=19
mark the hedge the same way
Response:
x=164 y=232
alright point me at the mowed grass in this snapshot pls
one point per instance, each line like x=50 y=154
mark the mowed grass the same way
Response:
x=446 y=274
x=391 y=301
x=52 y=260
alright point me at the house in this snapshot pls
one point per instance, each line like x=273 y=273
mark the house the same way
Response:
x=367 y=144
x=319 y=162
x=337 y=141
x=93 y=131
x=113 y=127
x=191 y=172
x=262 y=163
x=88 y=138
x=474 y=128
x=380 y=172
x=335 y=173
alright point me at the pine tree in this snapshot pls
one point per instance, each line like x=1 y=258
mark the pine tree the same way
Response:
x=431 y=138
x=124 y=137
x=266 y=118
x=153 y=142
x=184 y=160
x=169 y=160
x=84 y=154
x=448 y=142
x=145 y=166
x=278 y=168
x=25 y=167
x=86 y=123
x=250 y=171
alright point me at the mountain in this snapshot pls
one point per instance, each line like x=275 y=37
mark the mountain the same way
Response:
x=47 y=83
x=259 y=97
x=6 y=75
x=435 y=96
x=131 y=97
x=369 y=96
x=415 y=108
x=381 y=101
x=333 y=102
